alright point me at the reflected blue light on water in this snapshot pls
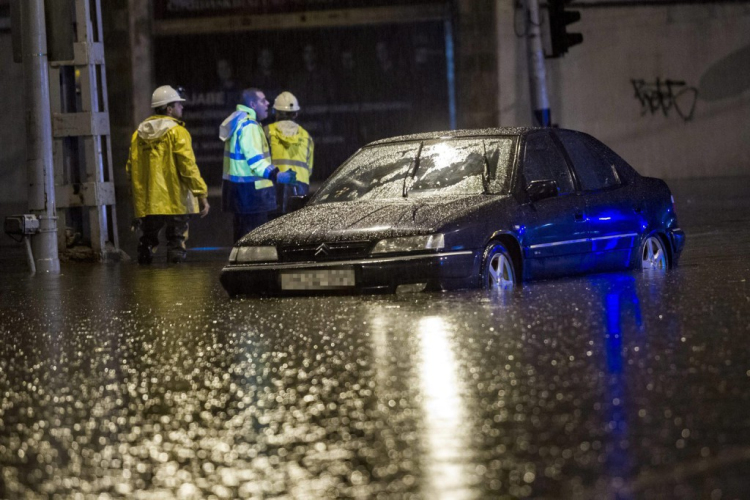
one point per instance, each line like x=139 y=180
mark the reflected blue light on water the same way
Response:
x=620 y=302
x=208 y=249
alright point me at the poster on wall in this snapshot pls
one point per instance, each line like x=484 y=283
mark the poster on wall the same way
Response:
x=354 y=84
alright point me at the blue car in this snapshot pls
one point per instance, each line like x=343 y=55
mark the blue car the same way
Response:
x=473 y=208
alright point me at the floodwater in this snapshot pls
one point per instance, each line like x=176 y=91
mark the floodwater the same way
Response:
x=121 y=381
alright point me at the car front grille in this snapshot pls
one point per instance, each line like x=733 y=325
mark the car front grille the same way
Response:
x=324 y=251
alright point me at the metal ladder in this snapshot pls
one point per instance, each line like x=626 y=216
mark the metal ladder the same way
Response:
x=82 y=154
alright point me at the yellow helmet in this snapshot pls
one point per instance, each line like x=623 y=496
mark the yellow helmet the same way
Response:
x=286 y=102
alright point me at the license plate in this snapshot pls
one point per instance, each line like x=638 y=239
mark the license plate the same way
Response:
x=320 y=279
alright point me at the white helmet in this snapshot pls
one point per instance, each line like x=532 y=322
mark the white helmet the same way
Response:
x=164 y=95
x=286 y=102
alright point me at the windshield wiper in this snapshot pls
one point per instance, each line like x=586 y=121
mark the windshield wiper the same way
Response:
x=414 y=171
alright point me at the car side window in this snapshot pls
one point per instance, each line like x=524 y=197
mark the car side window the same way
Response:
x=626 y=173
x=543 y=161
x=592 y=170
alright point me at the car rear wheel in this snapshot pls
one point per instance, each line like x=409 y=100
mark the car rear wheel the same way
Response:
x=653 y=254
x=499 y=271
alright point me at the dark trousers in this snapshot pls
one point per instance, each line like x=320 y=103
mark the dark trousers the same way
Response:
x=177 y=235
x=244 y=223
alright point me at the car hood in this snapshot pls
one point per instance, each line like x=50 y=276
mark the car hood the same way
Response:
x=367 y=220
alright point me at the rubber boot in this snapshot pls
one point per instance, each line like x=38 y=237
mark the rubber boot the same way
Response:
x=145 y=254
x=176 y=255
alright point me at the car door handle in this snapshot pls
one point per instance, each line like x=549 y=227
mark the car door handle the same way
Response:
x=579 y=217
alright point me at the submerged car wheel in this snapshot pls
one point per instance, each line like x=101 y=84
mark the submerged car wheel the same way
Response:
x=653 y=254
x=499 y=272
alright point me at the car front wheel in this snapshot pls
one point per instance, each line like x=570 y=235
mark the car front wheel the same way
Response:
x=653 y=254
x=499 y=271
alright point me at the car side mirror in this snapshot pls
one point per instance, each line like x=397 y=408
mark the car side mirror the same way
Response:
x=539 y=190
x=296 y=202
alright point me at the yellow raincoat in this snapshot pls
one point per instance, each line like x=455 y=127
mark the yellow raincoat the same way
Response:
x=291 y=149
x=164 y=177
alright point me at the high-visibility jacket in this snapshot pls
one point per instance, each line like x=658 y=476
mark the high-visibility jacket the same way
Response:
x=164 y=177
x=291 y=148
x=247 y=185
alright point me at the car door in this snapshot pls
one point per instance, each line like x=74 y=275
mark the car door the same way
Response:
x=555 y=237
x=612 y=208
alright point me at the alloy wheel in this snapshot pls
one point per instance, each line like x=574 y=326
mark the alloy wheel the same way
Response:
x=500 y=272
x=653 y=255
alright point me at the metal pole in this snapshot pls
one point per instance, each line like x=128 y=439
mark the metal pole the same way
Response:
x=39 y=136
x=450 y=67
x=537 y=72
x=29 y=254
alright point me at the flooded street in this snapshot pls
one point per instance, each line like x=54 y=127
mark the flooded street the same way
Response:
x=123 y=381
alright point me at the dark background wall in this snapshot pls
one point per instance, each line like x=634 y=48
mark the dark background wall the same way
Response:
x=354 y=84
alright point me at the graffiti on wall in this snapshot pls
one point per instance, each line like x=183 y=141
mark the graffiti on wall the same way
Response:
x=665 y=96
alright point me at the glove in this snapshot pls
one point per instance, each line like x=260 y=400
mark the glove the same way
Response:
x=288 y=177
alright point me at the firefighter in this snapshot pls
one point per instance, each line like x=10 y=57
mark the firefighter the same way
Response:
x=164 y=179
x=248 y=181
x=291 y=149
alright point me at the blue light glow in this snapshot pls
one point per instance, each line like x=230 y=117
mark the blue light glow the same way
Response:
x=209 y=249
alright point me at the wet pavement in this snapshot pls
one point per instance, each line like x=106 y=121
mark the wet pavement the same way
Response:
x=119 y=381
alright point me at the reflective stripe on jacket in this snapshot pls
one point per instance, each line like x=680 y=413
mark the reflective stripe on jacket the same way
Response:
x=291 y=148
x=247 y=165
x=164 y=177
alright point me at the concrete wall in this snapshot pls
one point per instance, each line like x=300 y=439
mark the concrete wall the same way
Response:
x=667 y=87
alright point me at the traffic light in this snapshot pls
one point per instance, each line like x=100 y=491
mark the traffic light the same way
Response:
x=559 y=19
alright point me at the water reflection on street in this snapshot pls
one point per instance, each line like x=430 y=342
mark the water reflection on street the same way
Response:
x=151 y=383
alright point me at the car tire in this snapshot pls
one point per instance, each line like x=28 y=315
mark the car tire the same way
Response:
x=654 y=254
x=499 y=272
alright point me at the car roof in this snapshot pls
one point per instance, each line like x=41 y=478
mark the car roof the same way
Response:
x=450 y=134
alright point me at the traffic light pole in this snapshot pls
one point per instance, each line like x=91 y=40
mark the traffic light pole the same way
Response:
x=537 y=72
x=39 y=165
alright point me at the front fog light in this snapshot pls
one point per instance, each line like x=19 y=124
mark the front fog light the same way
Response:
x=410 y=244
x=253 y=254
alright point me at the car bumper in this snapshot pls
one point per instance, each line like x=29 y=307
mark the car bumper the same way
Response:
x=385 y=274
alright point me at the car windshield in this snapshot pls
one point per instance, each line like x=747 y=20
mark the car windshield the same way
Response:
x=445 y=167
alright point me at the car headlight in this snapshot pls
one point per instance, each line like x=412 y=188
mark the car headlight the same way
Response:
x=410 y=244
x=253 y=254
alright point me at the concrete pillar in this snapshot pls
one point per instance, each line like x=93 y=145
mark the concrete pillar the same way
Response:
x=127 y=45
x=476 y=58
